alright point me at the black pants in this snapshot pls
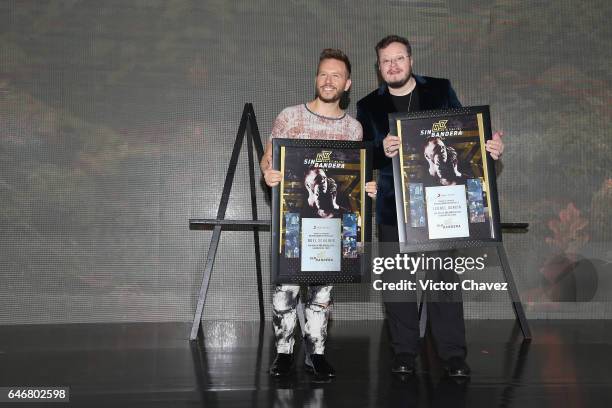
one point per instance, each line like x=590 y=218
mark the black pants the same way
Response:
x=444 y=312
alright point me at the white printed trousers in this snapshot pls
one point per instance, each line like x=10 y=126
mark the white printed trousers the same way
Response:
x=284 y=317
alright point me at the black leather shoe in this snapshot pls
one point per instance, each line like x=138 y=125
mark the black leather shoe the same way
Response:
x=281 y=367
x=403 y=363
x=456 y=367
x=320 y=367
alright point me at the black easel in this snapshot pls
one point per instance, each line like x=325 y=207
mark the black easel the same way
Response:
x=248 y=125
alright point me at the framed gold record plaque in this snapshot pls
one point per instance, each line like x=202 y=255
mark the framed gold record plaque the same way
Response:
x=445 y=189
x=321 y=214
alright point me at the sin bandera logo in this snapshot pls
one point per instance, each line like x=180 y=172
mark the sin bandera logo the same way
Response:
x=324 y=160
x=439 y=126
x=439 y=129
x=324 y=156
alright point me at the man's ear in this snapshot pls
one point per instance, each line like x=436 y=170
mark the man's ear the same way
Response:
x=348 y=85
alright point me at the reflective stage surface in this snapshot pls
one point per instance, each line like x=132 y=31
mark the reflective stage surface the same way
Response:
x=568 y=364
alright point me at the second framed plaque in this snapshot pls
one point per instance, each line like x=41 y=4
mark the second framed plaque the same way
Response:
x=320 y=211
x=445 y=189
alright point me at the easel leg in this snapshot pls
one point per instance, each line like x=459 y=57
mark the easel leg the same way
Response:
x=210 y=261
x=214 y=243
x=422 y=316
x=262 y=315
x=513 y=292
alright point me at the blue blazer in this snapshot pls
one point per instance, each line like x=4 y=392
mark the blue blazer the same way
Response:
x=372 y=113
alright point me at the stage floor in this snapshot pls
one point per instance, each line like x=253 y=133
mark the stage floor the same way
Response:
x=568 y=364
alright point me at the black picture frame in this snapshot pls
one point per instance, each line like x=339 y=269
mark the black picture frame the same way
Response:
x=440 y=151
x=295 y=158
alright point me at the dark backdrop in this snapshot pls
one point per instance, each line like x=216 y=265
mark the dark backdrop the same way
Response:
x=117 y=119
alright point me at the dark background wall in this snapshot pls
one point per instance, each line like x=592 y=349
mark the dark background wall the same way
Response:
x=117 y=120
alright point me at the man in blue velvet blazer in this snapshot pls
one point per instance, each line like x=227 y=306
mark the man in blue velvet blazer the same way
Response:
x=402 y=91
x=372 y=112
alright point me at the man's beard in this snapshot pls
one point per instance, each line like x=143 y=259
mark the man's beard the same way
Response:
x=400 y=83
x=336 y=97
